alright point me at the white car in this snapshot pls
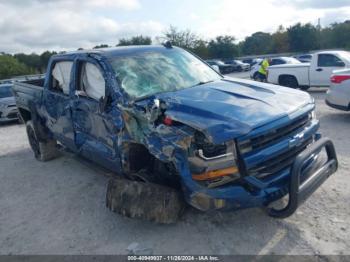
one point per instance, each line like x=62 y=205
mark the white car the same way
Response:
x=338 y=95
x=239 y=65
x=304 y=75
x=274 y=61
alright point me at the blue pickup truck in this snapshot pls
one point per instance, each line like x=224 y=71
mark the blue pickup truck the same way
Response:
x=173 y=130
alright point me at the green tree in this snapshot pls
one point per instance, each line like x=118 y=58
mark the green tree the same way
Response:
x=32 y=60
x=181 y=38
x=101 y=46
x=303 y=38
x=223 y=47
x=338 y=35
x=10 y=66
x=135 y=40
x=257 y=43
x=280 y=43
x=201 y=49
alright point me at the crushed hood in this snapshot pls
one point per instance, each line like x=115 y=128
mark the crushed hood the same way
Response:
x=229 y=108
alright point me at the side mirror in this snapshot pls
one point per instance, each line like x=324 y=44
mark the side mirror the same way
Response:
x=102 y=103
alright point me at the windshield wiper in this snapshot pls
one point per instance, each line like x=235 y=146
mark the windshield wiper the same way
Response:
x=203 y=83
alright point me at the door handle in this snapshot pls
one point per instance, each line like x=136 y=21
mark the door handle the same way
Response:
x=319 y=69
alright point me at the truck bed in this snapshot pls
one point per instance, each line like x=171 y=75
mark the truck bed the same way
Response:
x=299 y=71
x=28 y=92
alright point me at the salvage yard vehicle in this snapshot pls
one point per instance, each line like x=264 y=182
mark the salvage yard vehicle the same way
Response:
x=223 y=68
x=8 y=109
x=305 y=75
x=338 y=95
x=239 y=65
x=173 y=129
x=304 y=58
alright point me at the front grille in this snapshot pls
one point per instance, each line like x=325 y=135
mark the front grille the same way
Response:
x=279 y=162
x=274 y=135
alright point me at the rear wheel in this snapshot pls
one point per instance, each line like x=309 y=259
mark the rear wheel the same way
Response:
x=149 y=201
x=43 y=151
x=288 y=81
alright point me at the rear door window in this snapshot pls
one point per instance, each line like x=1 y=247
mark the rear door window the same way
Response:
x=61 y=76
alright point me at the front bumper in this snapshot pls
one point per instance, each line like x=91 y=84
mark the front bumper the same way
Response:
x=242 y=196
x=9 y=114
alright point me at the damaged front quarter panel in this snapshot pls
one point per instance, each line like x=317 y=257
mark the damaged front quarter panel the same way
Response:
x=143 y=123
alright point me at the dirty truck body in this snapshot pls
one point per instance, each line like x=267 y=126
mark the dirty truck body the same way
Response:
x=167 y=118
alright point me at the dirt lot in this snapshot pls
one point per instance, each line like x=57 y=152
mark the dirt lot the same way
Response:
x=58 y=208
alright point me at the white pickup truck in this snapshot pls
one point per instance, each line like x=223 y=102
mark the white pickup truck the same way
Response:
x=304 y=75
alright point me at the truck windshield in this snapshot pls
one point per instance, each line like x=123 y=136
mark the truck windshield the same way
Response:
x=153 y=72
x=5 y=91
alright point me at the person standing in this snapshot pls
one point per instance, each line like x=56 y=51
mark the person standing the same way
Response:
x=262 y=72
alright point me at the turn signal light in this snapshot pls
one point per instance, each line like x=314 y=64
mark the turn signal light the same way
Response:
x=215 y=174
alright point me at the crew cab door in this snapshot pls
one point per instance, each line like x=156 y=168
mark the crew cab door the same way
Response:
x=57 y=101
x=95 y=119
x=322 y=68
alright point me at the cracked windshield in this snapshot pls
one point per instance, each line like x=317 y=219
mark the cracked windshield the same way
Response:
x=150 y=73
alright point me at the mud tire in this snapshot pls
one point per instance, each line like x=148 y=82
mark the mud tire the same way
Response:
x=43 y=150
x=142 y=200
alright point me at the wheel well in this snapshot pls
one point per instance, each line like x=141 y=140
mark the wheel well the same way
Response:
x=140 y=160
x=25 y=114
x=138 y=157
x=281 y=77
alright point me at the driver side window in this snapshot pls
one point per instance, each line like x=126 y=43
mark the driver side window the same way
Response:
x=329 y=60
x=92 y=82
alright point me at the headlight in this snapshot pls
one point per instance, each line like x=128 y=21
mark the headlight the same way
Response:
x=214 y=165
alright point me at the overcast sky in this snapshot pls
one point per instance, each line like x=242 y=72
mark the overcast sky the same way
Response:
x=38 y=25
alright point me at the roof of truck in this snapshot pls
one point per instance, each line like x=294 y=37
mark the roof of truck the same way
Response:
x=116 y=51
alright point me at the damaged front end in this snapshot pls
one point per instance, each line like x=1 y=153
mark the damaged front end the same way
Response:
x=176 y=155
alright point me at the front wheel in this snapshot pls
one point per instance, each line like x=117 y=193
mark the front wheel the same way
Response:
x=144 y=200
x=43 y=150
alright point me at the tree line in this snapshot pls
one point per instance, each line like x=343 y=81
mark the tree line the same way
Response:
x=298 y=38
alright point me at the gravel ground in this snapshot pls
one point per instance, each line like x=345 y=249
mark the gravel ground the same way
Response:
x=58 y=207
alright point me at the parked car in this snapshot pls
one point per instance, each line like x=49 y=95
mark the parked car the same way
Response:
x=223 y=144
x=274 y=61
x=224 y=68
x=338 y=95
x=249 y=61
x=305 y=75
x=305 y=58
x=8 y=109
x=238 y=65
